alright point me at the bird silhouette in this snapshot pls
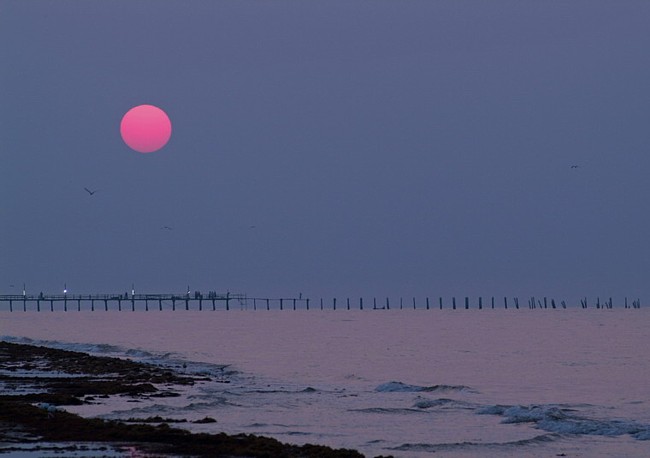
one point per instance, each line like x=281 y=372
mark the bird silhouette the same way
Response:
x=91 y=192
x=167 y=228
x=575 y=166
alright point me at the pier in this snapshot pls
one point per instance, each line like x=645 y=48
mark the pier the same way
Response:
x=106 y=302
x=227 y=301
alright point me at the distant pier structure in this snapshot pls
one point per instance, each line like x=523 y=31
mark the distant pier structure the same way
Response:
x=228 y=301
x=126 y=301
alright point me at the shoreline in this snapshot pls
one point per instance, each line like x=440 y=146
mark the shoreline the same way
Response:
x=37 y=383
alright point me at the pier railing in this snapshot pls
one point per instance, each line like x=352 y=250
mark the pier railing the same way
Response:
x=227 y=301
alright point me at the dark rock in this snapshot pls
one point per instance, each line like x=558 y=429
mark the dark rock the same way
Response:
x=205 y=420
x=100 y=377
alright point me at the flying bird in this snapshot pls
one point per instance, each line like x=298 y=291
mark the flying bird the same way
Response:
x=575 y=166
x=167 y=228
x=91 y=192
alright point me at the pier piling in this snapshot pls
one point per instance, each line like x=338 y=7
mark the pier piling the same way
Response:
x=195 y=302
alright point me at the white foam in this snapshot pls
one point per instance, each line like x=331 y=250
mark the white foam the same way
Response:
x=555 y=419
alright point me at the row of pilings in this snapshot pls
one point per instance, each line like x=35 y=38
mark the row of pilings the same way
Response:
x=147 y=302
x=608 y=304
x=533 y=303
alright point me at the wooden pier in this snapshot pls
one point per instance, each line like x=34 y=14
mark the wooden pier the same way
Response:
x=217 y=301
x=119 y=302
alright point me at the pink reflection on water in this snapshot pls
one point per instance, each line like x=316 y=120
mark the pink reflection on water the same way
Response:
x=593 y=359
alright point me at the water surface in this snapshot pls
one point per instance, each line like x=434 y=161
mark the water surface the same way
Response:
x=402 y=382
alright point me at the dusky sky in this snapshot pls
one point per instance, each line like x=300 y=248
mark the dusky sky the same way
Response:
x=329 y=148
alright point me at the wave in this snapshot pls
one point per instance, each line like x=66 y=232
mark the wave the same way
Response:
x=442 y=403
x=432 y=448
x=307 y=390
x=400 y=387
x=166 y=409
x=387 y=410
x=296 y=433
x=556 y=419
x=256 y=425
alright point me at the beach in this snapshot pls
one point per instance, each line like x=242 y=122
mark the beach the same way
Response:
x=38 y=383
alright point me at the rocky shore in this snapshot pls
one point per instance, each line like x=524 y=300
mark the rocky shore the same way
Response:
x=36 y=383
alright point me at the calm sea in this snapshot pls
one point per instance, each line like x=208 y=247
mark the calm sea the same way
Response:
x=407 y=383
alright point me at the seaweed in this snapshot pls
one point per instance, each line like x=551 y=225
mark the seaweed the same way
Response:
x=94 y=376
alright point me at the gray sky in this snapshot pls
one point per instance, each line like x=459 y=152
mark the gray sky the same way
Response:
x=378 y=147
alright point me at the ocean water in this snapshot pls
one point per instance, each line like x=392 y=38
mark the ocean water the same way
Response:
x=407 y=383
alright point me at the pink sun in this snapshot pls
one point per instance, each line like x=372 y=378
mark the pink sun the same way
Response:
x=146 y=128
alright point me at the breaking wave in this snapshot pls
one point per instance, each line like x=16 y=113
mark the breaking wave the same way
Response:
x=556 y=419
x=432 y=448
x=399 y=387
x=442 y=403
x=160 y=409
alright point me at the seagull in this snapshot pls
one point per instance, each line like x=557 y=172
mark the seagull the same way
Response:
x=167 y=228
x=252 y=227
x=91 y=192
x=575 y=166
